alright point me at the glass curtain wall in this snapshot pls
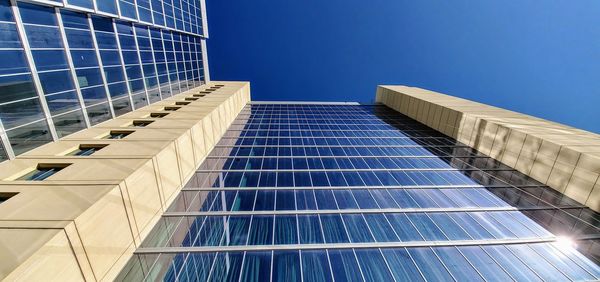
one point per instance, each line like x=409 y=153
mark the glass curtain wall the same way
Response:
x=64 y=70
x=297 y=192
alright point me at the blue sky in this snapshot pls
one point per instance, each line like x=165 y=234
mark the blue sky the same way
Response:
x=537 y=57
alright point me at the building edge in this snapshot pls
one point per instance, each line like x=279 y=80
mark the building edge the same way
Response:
x=562 y=157
x=85 y=221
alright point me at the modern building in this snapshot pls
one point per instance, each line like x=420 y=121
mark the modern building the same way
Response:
x=127 y=163
x=68 y=65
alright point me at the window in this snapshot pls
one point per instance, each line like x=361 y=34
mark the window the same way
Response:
x=42 y=171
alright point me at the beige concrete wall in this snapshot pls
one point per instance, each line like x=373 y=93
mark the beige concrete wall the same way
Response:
x=85 y=221
x=562 y=157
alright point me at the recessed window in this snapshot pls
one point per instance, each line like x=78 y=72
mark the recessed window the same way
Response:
x=5 y=196
x=87 y=149
x=204 y=92
x=209 y=90
x=141 y=123
x=43 y=171
x=198 y=95
x=219 y=85
x=158 y=115
x=172 y=109
x=191 y=99
x=182 y=103
x=118 y=134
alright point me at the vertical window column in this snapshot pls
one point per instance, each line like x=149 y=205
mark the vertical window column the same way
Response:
x=171 y=62
x=148 y=66
x=83 y=58
x=161 y=66
x=144 y=10
x=131 y=61
x=179 y=58
x=54 y=79
x=169 y=13
x=157 y=12
x=112 y=65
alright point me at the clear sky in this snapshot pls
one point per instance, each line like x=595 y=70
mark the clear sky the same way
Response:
x=537 y=57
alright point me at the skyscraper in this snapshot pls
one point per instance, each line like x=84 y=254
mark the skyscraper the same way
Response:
x=71 y=64
x=158 y=173
x=349 y=192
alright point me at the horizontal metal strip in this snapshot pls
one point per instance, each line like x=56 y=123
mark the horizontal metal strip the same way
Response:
x=344 y=146
x=355 y=170
x=327 y=124
x=330 y=137
x=302 y=103
x=345 y=157
x=412 y=244
x=366 y=211
x=329 y=130
x=362 y=187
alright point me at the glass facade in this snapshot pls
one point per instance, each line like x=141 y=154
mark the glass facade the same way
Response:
x=328 y=192
x=68 y=65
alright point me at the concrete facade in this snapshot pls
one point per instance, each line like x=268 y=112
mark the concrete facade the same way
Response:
x=85 y=221
x=562 y=157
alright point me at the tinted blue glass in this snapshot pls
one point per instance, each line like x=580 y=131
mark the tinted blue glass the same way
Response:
x=106 y=40
x=114 y=74
x=315 y=266
x=344 y=265
x=381 y=228
x=484 y=264
x=286 y=266
x=265 y=200
x=542 y=267
x=429 y=265
x=89 y=77
x=286 y=230
x=19 y=113
x=238 y=230
x=13 y=61
x=63 y=102
x=127 y=9
x=257 y=266
x=79 y=38
x=9 y=38
x=261 y=231
x=35 y=14
x=357 y=228
x=56 y=81
x=107 y=6
x=49 y=60
x=74 y=20
x=460 y=268
x=110 y=58
x=83 y=3
x=93 y=95
x=373 y=266
x=333 y=229
x=403 y=227
x=43 y=37
x=84 y=58
x=310 y=229
x=5 y=11
x=118 y=89
x=401 y=264
x=227 y=267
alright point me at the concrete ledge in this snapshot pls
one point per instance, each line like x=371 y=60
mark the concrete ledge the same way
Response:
x=85 y=221
x=564 y=158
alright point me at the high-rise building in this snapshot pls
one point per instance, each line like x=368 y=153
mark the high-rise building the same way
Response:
x=68 y=65
x=207 y=185
x=349 y=192
x=125 y=162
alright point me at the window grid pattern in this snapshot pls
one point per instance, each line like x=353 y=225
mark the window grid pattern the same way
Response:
x=361 y=193
x=65 y=70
